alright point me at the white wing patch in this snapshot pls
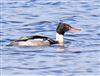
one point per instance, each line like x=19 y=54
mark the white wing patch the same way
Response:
x=38 y=39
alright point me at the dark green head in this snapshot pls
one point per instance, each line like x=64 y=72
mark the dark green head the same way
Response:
x=63 y=27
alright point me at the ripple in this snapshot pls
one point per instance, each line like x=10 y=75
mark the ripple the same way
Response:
x=15 y=22
x=49 y=3
x=37 y=23
x=92 y=45
x=56 y=3
x=98 y=34
x=56 y=71
x=48 y=55
x=3 y=22
x=25 y=68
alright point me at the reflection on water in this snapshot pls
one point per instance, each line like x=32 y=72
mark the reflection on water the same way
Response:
x=78 y=57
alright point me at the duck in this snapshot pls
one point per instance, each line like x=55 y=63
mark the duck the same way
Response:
x=39 y=40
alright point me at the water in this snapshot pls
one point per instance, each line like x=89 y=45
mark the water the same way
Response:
x=78 y=57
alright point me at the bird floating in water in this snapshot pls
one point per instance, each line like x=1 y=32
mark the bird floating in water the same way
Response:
x=43 y=40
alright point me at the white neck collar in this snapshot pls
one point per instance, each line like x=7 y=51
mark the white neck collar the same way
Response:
x=60 y=38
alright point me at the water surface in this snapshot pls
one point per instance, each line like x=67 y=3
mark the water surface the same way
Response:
x=78 y=57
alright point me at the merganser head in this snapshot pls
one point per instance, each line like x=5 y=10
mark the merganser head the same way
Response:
x=63 y=27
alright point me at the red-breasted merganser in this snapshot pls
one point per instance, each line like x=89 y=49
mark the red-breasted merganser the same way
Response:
x=43 y=40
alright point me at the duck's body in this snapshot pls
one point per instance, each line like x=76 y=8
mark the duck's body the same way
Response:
x=43 y=40
x=33 y=41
